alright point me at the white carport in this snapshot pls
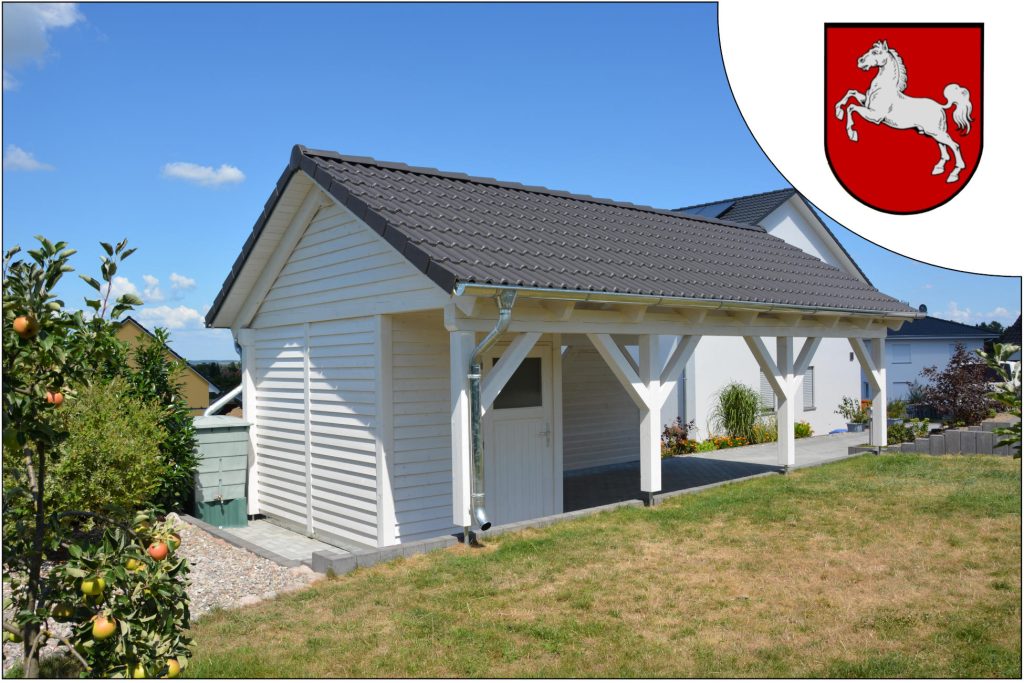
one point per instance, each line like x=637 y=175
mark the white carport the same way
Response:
x=610 y=323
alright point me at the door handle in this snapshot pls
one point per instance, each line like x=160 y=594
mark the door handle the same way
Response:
x=546 y=434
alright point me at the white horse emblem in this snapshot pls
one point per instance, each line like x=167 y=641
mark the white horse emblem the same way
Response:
x=886 y=103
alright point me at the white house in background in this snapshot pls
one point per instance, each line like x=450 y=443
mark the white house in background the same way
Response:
x=923 y=343
x=426 y=352
x=835 y=372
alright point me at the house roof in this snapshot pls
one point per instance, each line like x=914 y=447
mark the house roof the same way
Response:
x=751 y=209
x=1011 y=335
x=937 y=327
x=460 y=229
x=754 y=208
x=174 y=353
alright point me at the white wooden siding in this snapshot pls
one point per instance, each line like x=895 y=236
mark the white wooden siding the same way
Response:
x=280 y=415
x=318 y=476
x=343 y=413
x=422 y=465
x=601 y=423
x=341 y=268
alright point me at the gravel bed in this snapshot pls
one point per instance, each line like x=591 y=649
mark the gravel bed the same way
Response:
x=222 y=576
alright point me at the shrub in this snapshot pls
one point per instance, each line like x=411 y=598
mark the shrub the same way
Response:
x=1007 y=392
x=111 y=457
x=155 y=379
x=897 y=408
x=959 y=392
x=705 y=446
x=765 y=430
x=675 y=439
x=802 y=430
x=852 y=410
x=736 y=410
x=898 y=433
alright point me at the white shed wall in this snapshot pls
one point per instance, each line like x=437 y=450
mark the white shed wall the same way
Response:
x=315 y=418
x=421 y=469
x=341 y=268
x=601 y=422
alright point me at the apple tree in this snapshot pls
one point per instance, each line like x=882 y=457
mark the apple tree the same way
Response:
x=112 y=576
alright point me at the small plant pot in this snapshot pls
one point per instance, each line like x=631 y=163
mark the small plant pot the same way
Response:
x=855 y=426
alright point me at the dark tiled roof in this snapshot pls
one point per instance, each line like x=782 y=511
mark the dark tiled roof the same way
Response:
x=751 y=209
x=461 y=229
x=937 y=327
x=1011 y=335
x=754 y=208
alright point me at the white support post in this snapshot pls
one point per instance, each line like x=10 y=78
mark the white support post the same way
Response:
x=650 y=417
x=873 y=363
x=786 y=412
x=879 y=408
x=461 y=353
x=784 y=374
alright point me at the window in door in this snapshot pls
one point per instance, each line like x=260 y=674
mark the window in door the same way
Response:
x=523 y=389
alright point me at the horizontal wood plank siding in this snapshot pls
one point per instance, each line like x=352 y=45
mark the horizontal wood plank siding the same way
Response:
x=422 y=464
x=601 y=423
x=340 y=264
x=280 y=413
x=342 y=358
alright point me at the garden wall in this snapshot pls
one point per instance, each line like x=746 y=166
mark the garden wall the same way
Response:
x=977 y=439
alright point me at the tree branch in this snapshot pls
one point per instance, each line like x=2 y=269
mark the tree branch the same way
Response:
x=73 y=651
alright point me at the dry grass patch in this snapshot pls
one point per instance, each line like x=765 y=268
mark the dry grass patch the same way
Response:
x=877 y=566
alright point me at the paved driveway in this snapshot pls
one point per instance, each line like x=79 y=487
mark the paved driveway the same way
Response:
x=613 y=483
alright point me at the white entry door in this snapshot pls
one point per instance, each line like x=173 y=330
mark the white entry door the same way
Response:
x=519 y=461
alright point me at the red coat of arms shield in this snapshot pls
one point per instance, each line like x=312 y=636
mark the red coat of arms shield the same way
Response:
x=903 y=111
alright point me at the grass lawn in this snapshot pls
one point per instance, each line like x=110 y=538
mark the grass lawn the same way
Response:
x=877 y=566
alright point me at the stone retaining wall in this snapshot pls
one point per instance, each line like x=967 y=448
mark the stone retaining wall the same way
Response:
x=977 y=439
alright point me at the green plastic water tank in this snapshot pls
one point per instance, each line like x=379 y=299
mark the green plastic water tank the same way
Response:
x=223 y=446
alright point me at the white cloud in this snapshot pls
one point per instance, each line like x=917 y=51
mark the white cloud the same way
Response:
x=171 y=317
x=182 y=281
x=203 y=175
x=151 y=293
x=26 y=32
x=17 y=159
x=969 y=316
x=121 y=285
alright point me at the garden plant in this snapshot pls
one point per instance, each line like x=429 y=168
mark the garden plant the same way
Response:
x=113 y=576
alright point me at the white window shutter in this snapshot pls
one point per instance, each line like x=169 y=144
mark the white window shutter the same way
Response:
x=767 y=394
x=809 y=388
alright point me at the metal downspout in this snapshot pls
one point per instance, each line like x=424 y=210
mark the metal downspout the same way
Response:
x=506 y=299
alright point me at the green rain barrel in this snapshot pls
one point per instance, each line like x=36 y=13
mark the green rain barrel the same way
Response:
x=223 y=446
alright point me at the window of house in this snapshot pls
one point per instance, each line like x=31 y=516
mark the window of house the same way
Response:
x=523 y=389
x=809 y=389
x=900 y=353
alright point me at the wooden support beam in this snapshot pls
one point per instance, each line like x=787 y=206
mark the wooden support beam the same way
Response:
x=650 y=417
x=470 y=306
x=676 y=363
x=767 y=365
x=872 y=361
x=807 y=351
x=744 y=317
x=790 y=318
x=495 y=380
x=785 y=412
x=693 y=316
x=621 y=368
x=559 y=311
x=626 y=354
x=632 y=313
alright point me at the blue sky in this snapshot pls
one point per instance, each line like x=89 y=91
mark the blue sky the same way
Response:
x=170 y=124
